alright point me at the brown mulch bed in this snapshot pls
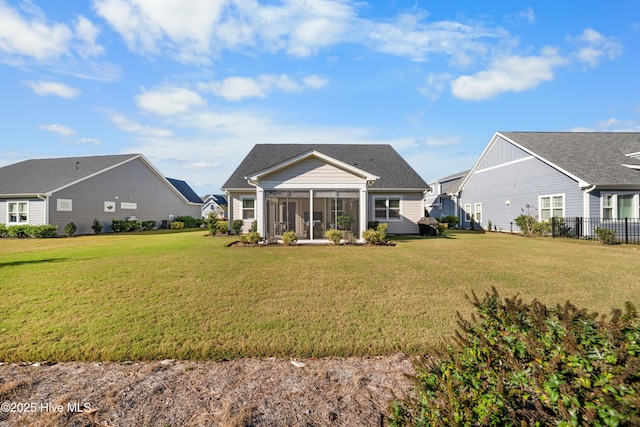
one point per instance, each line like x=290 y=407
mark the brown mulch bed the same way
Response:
x=354 y=391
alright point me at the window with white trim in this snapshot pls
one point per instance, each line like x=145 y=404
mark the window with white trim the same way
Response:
x=620 y=206
x=478 y=212
x=387 y=208
x=64 y=205
x=17 y=213
x=248 y=208
x=467 y=212
x=551 y=206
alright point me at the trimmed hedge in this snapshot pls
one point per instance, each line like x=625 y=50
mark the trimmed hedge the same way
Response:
x=516 y=364
x=28 y=231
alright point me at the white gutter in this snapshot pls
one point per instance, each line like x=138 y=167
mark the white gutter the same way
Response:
x=586 y=212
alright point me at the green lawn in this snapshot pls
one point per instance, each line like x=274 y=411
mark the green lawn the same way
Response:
x=185 y=295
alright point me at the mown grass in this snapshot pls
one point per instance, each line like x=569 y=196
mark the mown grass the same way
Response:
x=148 y=296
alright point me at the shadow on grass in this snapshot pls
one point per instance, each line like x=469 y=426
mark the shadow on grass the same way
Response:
x=35 y=261
x=411 y=238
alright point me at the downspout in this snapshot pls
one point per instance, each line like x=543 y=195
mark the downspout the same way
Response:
x=45 y=199
x=585 y=202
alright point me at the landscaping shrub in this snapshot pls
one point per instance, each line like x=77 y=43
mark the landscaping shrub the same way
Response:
x=176 y=225
x=452 y=221
x=606 y=236
x=382 y=232
x=222 y=227
x=440 y=228
x=149 y=225
x=212 y=223
x=289 y=238
x=254 y=227
x=119 y=225
x=236 y=226
x=516 y=364
x=188 y=221
x=96 y=226
x=30 y=231
x=372 y=237
x=70 y=229
x=252 y=238
x=350 y=239
x=333 y=235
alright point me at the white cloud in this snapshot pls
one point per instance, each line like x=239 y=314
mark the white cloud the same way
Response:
x=595 y=46
x=44 y=88
x=90 y=141
x=183 y=28
x=87 y=33
x=315 y=82
x=59 y=129
x=610 y=125
x=128 y=125
x=508 y=74
x=434 y=85
x=169 y=101
x=31 y=35
x=237 y=88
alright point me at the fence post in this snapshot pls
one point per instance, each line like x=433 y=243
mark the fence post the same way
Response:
x=578 y=227
x=553 y=226
x=626 y=230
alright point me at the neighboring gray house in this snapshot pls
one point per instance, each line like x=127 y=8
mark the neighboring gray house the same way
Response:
x=79 y=189
x=306 y=187
x=561 y=174
x=213 y=203
x=442 y=199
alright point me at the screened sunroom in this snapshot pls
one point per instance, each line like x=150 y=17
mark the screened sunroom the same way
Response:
x=309 y=213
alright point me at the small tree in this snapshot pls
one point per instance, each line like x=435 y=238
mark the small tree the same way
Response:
x=236 y=226
x=70 y=229
x=96 y=226
x=527 y=221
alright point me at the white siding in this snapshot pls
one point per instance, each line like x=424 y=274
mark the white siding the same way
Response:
x=36 y=212
x=309 y=172
x=412 y=209
x=235 y=209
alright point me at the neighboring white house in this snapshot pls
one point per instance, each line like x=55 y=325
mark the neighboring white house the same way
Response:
x=308 y=187
x=553 y=174
x=213 y=203
x=79 y=189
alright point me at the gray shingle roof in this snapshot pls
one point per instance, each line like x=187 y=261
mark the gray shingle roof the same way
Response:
x=185 y=190
x=39 y=176
x=379 y=159
x=594 y=157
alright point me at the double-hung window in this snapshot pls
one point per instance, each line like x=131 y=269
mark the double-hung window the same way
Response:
x=248 y=208
x=620 y=206
x=17 y=213
x=388 y=208
x=478 y=212
x=551 y=206
x=467 y=212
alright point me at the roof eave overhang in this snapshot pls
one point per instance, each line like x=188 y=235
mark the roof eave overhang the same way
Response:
x=24 y=195
x=254 y=179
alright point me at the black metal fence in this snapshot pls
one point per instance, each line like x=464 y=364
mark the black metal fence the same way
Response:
x=626 y=230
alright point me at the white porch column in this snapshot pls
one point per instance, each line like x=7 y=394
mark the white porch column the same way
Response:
x=310 y=226
x=260 y=210
x=364 y=214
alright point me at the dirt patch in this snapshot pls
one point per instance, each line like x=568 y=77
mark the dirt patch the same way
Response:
x=274 y=392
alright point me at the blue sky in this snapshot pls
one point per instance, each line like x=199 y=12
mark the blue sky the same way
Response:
x=193 y=85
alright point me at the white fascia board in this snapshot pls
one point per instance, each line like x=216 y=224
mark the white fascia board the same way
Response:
x=581 y=183
x=313 y=153
x=637 y=167
x=24 y=195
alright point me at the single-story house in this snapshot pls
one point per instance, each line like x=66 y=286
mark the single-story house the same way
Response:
x=78 y=189
x=442 y=199
x=214 y=203
x=310 y=188
x=553 y=174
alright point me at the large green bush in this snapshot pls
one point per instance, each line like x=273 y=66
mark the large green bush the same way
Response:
x=516 y=364
x=28 y=231
x=189 y=221
x=452 y=221
x=252 y=238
